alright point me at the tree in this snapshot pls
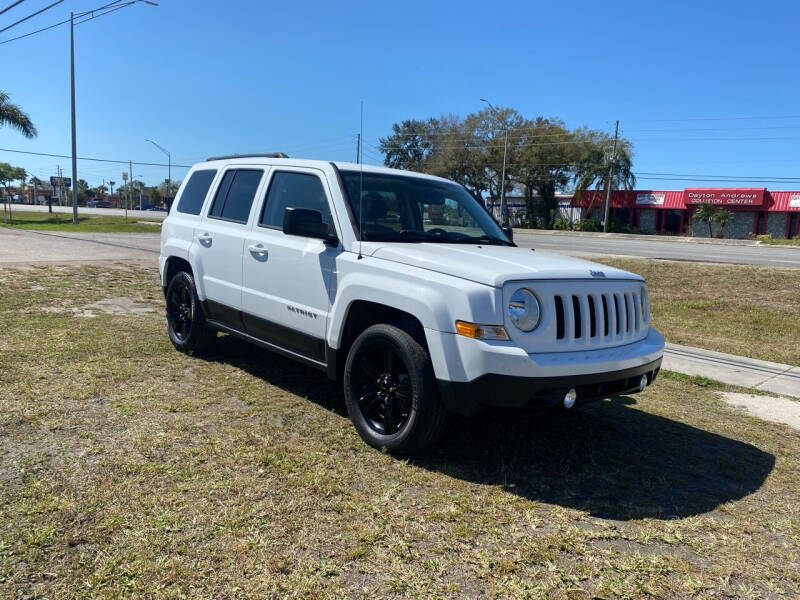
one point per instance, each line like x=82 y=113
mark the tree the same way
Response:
x=543 y=156
x=723 y=217
x=83 y=190
x=544 y=164
x=8 y=174
x=706 y=213
x=111 y=185
x=409 y=145
x=12 y=116
x=154 y=196
x=594 y=164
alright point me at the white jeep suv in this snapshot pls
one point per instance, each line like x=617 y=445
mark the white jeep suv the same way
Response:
x=402 y=286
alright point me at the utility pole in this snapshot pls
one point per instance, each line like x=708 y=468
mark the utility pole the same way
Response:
x=72 y=17
x=610 y=176
x=503 y=209
x=358 y=148
x=72 y=98
x=130 y=186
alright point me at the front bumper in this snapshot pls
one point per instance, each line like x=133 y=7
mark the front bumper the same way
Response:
x=474 y=373
x=508 y=391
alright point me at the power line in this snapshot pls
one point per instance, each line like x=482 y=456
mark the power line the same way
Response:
x=30 y=16
x=65 y=21
x=10 y=6
x=105 y=160
x=19 y=37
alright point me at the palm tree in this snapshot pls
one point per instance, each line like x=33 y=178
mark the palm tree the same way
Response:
x=723 y=217
x=593 y=168
x=13 y=116
x=706 y=213
x=111 y=184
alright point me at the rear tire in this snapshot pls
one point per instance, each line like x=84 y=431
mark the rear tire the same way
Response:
x=390 y=391
x=187 y=327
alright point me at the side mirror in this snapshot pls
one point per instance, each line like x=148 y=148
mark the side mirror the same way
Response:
x=305 y=222
x=509 y=231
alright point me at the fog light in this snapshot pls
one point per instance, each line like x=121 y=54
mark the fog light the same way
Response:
x=570 y=398
x=643 y=383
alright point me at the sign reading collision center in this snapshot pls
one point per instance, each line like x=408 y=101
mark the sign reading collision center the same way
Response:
x=794 y=200
x=728 y=197
x=651 y=198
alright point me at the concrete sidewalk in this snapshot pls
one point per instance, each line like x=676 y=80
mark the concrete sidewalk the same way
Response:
x=733 y=370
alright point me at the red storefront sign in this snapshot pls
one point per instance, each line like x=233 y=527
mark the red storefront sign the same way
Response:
x=725 y=196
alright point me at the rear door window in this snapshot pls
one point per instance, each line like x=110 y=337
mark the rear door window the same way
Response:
x=235 y=195
x=194 y=194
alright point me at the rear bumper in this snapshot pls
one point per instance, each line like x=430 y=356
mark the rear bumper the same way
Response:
x=509 y=391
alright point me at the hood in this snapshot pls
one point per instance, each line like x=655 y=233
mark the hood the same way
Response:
x=495 y=265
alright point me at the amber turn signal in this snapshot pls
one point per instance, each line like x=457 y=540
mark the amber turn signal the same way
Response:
x=481 y=332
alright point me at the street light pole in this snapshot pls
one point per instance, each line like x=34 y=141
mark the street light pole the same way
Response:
x=169 y=165
x=101 y=11
x=503 y=209
x=72 y=98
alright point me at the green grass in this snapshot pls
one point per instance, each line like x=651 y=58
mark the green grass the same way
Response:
x=86 y=223
x=128 y=470
x=747 y=310
x=780 y=241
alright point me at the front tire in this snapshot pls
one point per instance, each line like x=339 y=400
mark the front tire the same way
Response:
x=390 y=391
x=187 y=327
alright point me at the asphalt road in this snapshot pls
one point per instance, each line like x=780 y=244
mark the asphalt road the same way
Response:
x=24 y=246
x=592 y=247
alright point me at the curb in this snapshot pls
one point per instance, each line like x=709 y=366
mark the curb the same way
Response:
x=653 y=238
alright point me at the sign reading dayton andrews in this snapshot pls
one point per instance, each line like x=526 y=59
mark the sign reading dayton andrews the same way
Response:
x=726 y=196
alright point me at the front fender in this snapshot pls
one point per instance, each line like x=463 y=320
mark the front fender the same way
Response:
x=435 y=299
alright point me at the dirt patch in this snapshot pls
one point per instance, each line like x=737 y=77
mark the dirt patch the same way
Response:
x=120 y=306
x=777 y=410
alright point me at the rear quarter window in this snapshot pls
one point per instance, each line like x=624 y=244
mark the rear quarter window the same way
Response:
x=194 y=194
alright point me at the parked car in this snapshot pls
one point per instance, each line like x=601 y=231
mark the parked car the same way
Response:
x=98 y=203
x=340 y=267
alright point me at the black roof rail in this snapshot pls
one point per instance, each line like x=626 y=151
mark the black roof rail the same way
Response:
x=256 y=155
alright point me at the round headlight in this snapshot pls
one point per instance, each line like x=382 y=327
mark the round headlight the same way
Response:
x=523 y=310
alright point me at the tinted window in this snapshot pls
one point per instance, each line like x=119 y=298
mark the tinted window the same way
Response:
x=235 y=195
x=222 y=192
x=194 y=193
x=294 y=190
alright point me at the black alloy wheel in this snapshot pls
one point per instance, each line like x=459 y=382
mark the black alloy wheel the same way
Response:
x=179 y=310
x=391 y=392
x=186 y=323
x=383 y=386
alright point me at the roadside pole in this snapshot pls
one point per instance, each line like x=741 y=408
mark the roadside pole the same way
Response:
x=610 y=177
x=125 y=202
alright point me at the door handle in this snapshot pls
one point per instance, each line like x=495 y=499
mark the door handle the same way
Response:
x=204 y=238
x=258 y=249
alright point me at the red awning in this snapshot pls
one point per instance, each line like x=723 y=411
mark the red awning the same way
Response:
x=784 y=201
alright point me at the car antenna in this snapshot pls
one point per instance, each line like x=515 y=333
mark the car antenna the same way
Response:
x=361 y=185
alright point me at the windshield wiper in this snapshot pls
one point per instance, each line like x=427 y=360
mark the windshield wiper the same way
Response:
x=481 y=239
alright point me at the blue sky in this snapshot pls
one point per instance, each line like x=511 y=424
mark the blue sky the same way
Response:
x=204 y=78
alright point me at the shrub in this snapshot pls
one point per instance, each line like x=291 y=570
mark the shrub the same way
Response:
x=588 y=225
x=615 y=225
x=764 y=237
x=562 y=224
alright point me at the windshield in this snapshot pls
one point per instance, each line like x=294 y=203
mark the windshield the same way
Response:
x=401 y=208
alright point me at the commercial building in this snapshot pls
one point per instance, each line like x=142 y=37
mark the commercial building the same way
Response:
x=756 y=211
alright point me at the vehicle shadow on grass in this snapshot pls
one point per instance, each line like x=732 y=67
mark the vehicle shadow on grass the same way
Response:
x=607 y=458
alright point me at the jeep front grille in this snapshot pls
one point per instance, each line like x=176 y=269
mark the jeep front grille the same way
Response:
x=584 y=314
x=614 y=315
